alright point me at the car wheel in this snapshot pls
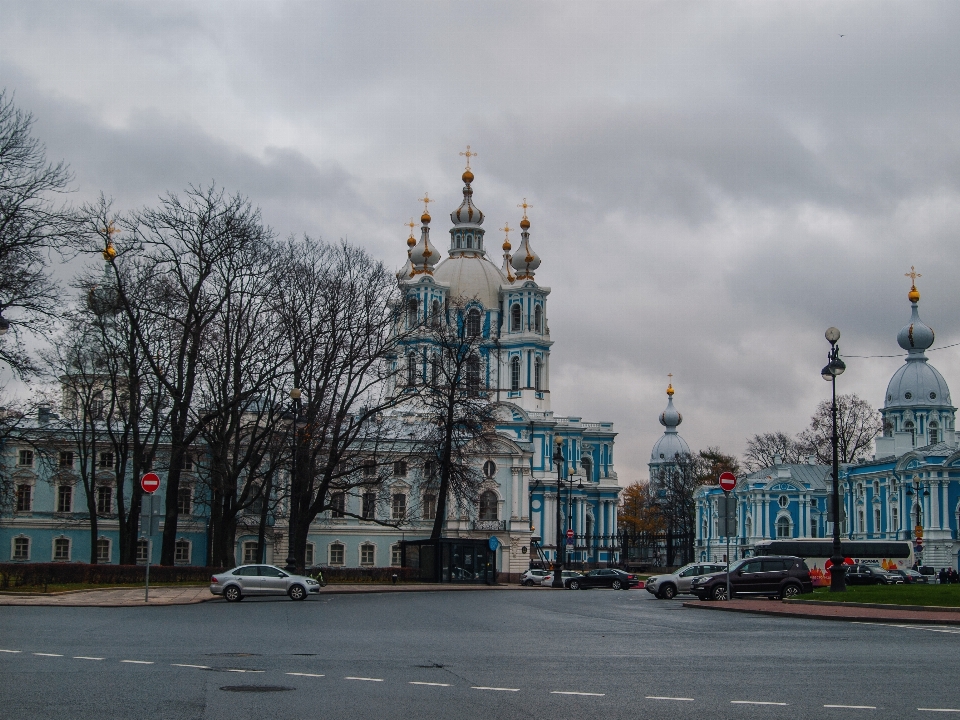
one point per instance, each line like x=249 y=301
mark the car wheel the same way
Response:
x=573 y=585
x=789 y=591
x=527 y=583
x=297 y=592
x=668 y=592
x=232 y=594
x=720 y=592
x=616 y=585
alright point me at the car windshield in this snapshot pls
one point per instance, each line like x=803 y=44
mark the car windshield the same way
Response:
x=738 y=563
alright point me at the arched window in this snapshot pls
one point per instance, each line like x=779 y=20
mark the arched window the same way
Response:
x=538 y=319
x=783 y=528
x=515 y=313
x=473 y=375
x=861 y=521
x=876 y=520
x=934 y=434
x=536 y=374
x=488 y=505
x=515 y=373
x=894 y=519
x=411 y=369
x=459 y=241
x=469 y=242
x=908 y=427
x=435 y=371
x=435 y=314
x=587 y=465
x=413 y=308
x=473 y=323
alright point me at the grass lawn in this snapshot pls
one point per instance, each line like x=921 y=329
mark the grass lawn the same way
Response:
x=939 y=595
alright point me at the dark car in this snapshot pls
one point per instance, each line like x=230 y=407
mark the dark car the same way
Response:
x=870 y=575
x=604 y=577
x=780 y=576
x=912 y=577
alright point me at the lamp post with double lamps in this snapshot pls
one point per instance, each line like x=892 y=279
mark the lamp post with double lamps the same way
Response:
x=296 y=409
x=561 y=551
x=913 y=488
x=834 y=367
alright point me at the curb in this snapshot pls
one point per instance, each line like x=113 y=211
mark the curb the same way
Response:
x=877 y=606
x=809 y=616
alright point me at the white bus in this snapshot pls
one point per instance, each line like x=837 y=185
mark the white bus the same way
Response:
x=888 y=554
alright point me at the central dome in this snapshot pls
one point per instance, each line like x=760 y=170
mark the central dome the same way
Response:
x=472 y=276
x=917 y=384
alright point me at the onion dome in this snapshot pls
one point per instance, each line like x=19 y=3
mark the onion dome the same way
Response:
x=423 y=255
x=916 y=336
x=507 y=270
x=670 y=417
x=467 y=213
x=670 y=444
x=525 y=261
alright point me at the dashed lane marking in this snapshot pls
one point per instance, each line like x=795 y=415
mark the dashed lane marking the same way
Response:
x=306 y=675
x=365 y=679
x=949 y=710
x=198 y=667
x=757 y=702
x=928 y=628
x=482 y=687
x=853 y=707
x=566 y=692
x=242 y=671
x=85 y=657
x=664 y=697
x=138 y=662
x=47 y=655
x=11 y=651
x=414 y=682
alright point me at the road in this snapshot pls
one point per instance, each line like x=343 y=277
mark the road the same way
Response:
x=520 y=654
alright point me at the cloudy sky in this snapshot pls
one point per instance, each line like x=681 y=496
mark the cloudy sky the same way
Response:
x=713 y=184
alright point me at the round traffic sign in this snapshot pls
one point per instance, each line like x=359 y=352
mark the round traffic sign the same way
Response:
x=728 y=481
x=150 y=482
x=570 y=533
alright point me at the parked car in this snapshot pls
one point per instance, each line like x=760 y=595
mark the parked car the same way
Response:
x=666 y=587
x=245 y=580
x=912 y=577
x=604 y=577
x=533 y=576
x=567 y=575
x=871 y=575
x=930 y=572
x=781 y=576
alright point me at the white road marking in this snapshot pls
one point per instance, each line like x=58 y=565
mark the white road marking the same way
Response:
x=243 y=671
x=663 y=697
x=48 y=655
x=85 y=657
x=414 y=682
x=928 y=628
x=11 y=651
x=853 y=707
x=366 y=679
x=756 y=702
x=305 y=675
x=198 y=667
x=138 y=662
x=481 y=687
x=565 y=692
x=938 y=710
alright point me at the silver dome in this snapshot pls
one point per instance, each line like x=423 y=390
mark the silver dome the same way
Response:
x=917 y=384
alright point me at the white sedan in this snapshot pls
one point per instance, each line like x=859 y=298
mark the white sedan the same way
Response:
x=567 y=574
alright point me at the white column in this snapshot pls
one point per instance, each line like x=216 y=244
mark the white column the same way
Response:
x=524 y=493
x=515 y=492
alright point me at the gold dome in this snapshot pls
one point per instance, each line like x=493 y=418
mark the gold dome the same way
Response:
x=507 y=246
x=467 y=176
x=109 y=252
x=425 y=218
x=525 y=224
x=411 y=241
x=670 y=390
x=914 y=294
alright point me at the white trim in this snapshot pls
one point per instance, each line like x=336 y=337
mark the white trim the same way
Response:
x=13 y=545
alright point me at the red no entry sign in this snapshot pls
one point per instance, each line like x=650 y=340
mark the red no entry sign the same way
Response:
x=569 y=533
x=150 y=482
x=728 y=481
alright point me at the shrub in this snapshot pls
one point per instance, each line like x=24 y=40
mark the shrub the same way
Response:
x=18 y=575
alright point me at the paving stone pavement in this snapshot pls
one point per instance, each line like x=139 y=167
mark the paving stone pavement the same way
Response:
x=859 y=612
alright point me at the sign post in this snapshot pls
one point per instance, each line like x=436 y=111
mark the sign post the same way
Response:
x=728 y=482
x=149 y=521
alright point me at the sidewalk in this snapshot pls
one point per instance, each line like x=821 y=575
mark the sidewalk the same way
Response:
x=133 y=597
x=860 y=612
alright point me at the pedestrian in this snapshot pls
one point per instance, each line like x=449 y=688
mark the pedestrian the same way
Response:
x=954 y=575
x=942 y=576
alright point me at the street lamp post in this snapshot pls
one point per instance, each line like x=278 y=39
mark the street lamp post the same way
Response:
x=561 y=552
x=915 y=484
x=295 y=407
x=835 y=366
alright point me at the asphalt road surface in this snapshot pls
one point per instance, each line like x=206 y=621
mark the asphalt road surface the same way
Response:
x=528 y=653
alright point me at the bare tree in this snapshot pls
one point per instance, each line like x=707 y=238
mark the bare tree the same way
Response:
x=857 y=425
x=30 y=223
x=765 y=448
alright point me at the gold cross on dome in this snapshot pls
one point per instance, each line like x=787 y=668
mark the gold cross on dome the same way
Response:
x=670 y=375
x=468 y=155
x=506 y=229
x=426 y=201
x=411 y=225
x=913 y=275
x=110 y=229
x=524 y=205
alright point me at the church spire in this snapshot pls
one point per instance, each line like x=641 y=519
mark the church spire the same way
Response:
x=507 y=270
x=526 y=261
x=423 y=255
x=916 y=336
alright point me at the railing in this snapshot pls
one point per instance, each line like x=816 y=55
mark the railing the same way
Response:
x=489 y=525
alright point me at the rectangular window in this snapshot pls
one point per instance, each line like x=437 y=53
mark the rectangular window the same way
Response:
x=64 y=499
x=24 y=498
x=142 y=547
x=876 y=520
x=398 y=508
x=251 y=553
x=66 y=459
x=61 y=549
x=308 y=556
x=894 y=519
x=185 y=501
x=396 y=559
x=106 y=460
x=400 y=468
x=369 y=505
x=21 y=548
x=181 y=552
x=367 y=552
x=429 y=507
x=25 y=458
x=813 y=527
x=104 y=499
x=103 y=550
x=337 y=504
x=369 y=468
x=186 y=462
x=336 y=554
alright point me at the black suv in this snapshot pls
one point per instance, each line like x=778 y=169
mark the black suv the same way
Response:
x=870 y=575
x=780 y=576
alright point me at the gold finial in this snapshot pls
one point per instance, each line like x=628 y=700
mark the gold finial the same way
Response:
x=670 y=389
x=425 y=218
x=524 y=224
x=109 y=252
x=468 y=155
x=913 y=295
x=411 y=241
x=506 y=240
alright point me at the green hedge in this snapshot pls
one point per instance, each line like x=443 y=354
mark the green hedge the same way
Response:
x=18 y=575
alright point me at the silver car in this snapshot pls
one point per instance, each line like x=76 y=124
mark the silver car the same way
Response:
x=666 y=587
x=245 y=580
